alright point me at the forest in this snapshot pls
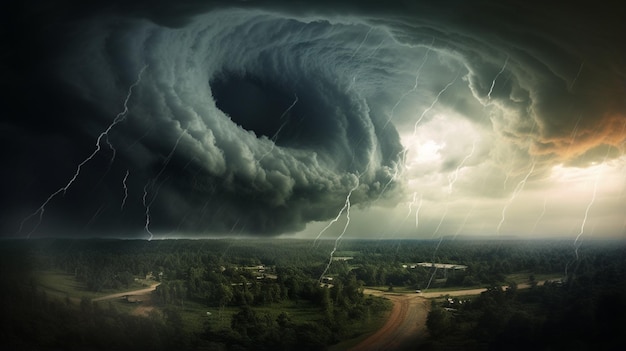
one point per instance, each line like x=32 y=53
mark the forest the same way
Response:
x=274 y=295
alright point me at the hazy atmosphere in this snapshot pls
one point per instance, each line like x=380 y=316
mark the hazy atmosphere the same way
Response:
x=366 y=119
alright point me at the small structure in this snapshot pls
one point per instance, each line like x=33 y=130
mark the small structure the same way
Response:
x=327 y=280
x=442 y=266
x=342 y=258
x=131 y=299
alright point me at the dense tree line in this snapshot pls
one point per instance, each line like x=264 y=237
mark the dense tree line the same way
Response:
x=110 y=264
x=587 y=311
x=203 y=275
x=218 y=274
x=31 y=320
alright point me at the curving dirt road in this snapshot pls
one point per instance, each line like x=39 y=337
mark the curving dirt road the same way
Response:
x=406 y=326
x=144 y=291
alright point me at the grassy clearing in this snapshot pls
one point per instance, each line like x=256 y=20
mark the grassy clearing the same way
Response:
x=195 y=317
x=118 y=305
x=362 y=330
x=524 y=277
x=300 y=312
x=63 y=285
x=346 y=253
x=396 y=289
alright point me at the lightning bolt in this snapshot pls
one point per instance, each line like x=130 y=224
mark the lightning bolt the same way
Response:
x=169 y=156
x=431 y=279
x=356 y=51
x=120 y=117
x=414 y=88
x=377 y=48
x=346 y=207
x=493 y=83
x=275 y=136
x=587 y=209
x=543 y=212
x=518 y=189
x=452 y=180
x=362 y=42
x=445 y=213
x=140 y=138
x=433 y=261
x=113 y=151
x=433 y=104
x=455 y=175
x=146 y=205
x=580 y=69
x=584 y=222
x=368 y=57
x=573 y=134
x=417 y=213
x=411 y=204
x=151 y=183
x=458 y=231
x=95 y=215
x=506 y=180
x=125 y=190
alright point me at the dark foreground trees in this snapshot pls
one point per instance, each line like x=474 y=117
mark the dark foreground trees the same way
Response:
x=585 y=312
x=33 y=320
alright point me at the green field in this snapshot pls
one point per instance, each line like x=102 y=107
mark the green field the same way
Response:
x=524 y=277
x=64 y=285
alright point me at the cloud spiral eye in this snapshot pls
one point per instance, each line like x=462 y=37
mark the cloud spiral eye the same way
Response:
x=261 y=118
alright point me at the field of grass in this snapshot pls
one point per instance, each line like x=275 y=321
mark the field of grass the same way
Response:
x=63 y=285
x=524 y=277
x=195 y=317
x=346 y=253
x=363 y=330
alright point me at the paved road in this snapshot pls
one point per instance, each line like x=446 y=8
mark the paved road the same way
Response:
x=133 y=292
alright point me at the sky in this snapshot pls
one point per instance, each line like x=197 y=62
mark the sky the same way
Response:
x=313 y=119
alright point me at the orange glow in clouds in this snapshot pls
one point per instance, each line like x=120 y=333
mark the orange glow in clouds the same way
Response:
x=610 y=130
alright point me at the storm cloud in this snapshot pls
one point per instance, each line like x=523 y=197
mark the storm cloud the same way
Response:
x=260 y=117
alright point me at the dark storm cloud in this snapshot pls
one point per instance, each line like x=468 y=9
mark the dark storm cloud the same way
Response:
x=217 y=92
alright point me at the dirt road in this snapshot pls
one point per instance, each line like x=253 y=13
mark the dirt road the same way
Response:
x=144 y=291
x=406 y=325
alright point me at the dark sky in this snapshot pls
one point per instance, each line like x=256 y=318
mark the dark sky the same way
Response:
x=313 y=118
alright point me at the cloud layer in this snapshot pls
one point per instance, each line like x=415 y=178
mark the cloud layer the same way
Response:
x=260 y=118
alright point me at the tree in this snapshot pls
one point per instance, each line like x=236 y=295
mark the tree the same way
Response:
x=438 y=321
x=245 y=322
x=327 y=304
x=224 y=294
